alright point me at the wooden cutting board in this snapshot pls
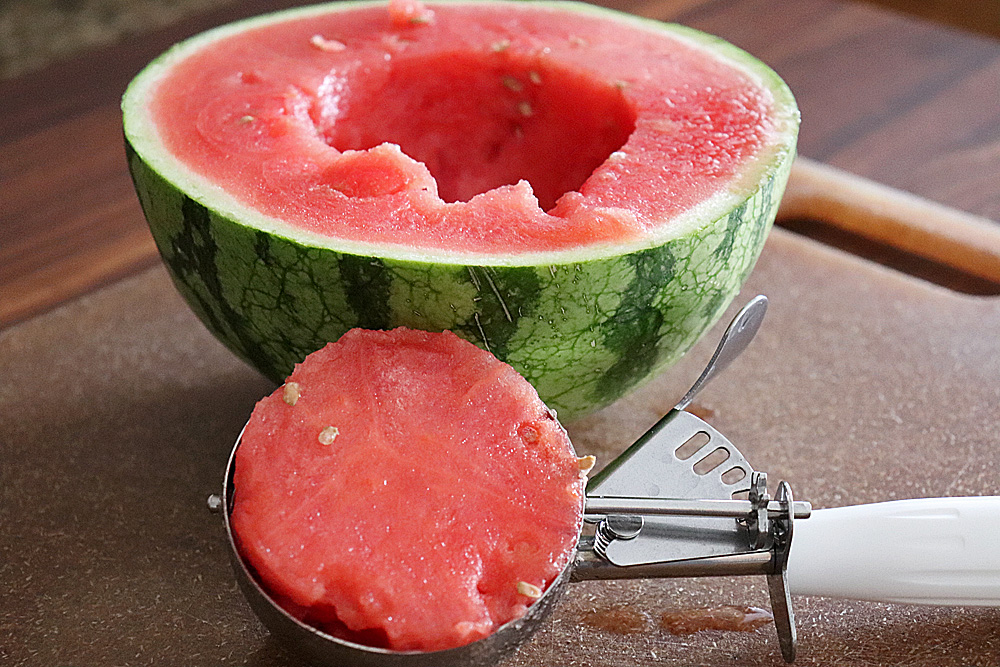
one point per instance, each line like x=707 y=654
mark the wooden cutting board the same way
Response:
x=118 y=410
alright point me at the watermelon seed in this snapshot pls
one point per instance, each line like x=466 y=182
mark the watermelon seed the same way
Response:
x=500 y=45
x=328 y=45
x=291 y=393
x=529 y=590
x=535 y=77
x=621 y=85
x=577 y=41
x=511 y=83
x=245 y=120
x=395 y=42
x=524 y=106
x=328 y=435
x=586 y=463
x=529 y=434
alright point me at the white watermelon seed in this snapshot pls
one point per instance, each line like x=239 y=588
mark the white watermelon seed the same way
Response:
x=328 y=45
x=291 y=393
x=328 y=435
x=511 y=83
x=529 y=590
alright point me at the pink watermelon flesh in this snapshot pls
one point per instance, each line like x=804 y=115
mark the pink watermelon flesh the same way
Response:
x=484 y=128
x=446 y=482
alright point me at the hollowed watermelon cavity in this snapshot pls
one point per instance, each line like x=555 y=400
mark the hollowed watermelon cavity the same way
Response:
x=479 y=121
x=579 y=191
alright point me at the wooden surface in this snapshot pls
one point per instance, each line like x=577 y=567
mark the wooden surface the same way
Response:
x=911 y=234
x=980 y=16
x=904 y=103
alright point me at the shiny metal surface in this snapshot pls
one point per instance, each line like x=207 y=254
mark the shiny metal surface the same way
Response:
x=734 y=509
x=741 y=331
x=651 y=468
x=777 y=582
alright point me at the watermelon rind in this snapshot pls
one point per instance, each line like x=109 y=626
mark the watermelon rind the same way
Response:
x=583 y=325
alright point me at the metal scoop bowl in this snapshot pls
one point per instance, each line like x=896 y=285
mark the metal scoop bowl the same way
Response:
x=324 y=649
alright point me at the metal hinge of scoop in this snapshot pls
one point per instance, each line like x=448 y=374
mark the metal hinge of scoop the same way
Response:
x=683 y=501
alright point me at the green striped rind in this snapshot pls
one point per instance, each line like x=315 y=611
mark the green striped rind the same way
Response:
x=582 y=332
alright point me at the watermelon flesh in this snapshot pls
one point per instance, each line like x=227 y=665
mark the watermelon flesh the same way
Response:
x=482 y=129
x=406 y=490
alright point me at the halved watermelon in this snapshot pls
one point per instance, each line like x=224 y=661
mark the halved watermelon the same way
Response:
x=407 y=490
x=579 y=191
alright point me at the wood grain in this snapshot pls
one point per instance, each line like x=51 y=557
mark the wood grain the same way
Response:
x=92 y=79
x=892 y=99
x=981 y=16
x=868 y=210
x=899 y=101
x=58 y=242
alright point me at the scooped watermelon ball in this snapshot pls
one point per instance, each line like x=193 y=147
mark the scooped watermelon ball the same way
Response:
x=407 y=490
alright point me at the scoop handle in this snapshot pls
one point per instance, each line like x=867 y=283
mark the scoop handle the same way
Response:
x=942 y=551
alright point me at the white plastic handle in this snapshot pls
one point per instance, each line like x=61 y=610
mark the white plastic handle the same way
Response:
x=943 y=551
